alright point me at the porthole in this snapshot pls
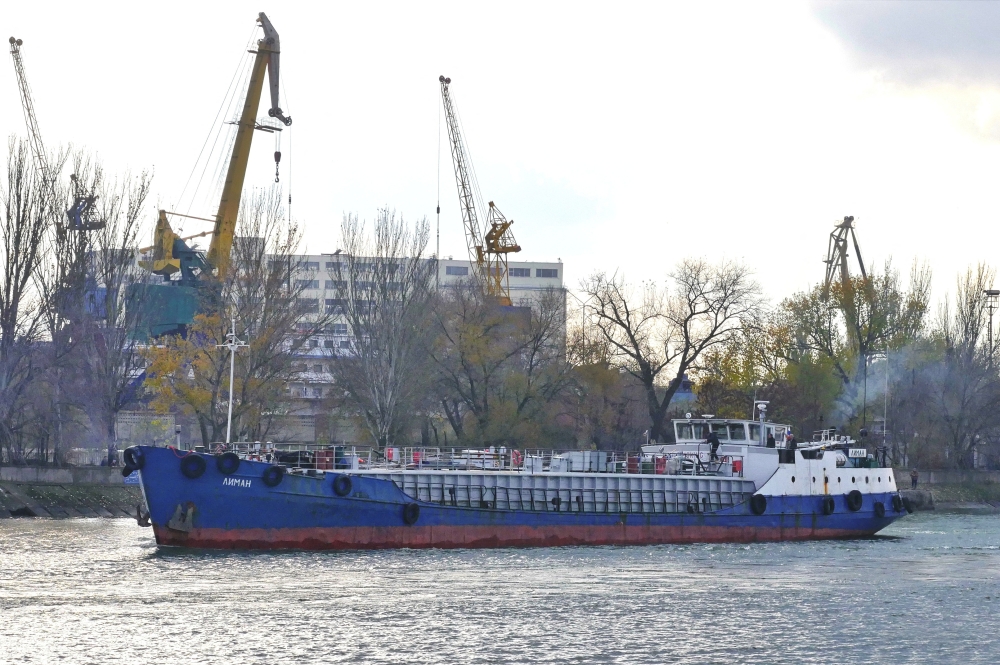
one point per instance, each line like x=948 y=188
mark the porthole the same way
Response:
x=866 y=479
x=853 y=479
x=838 y=479
x=793 y=479
x=890 y=479
x=825 y=480
x=880 y=478
x=814 y=478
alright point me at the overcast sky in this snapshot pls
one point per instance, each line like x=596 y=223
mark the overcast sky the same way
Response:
x=616 y=135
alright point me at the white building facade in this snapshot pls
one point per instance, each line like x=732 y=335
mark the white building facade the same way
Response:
x=317 y=275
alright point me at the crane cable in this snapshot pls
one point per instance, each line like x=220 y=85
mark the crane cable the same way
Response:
x=437 y=251
x=288 y=104
x=214 y=128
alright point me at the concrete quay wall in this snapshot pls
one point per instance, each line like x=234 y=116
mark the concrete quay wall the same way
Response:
x=68 y=492
x=77 y=475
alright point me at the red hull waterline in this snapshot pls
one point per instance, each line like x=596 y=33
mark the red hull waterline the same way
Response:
x=447 y=537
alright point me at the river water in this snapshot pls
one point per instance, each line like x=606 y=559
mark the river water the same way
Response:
x=99 y=591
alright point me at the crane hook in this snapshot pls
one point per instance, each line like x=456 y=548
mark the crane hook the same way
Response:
x=277 y=161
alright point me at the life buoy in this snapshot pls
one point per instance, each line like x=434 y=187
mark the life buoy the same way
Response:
x=516 y=458
x=227 y=463
x=854 y=500
x=272 y=475
x=134 y=457
x=411 y=513
x=828 y=505
x=897 y=503
x=192 y=466
x=220 y=448
x=342 y=485
x=879 y=509
x=758 y=504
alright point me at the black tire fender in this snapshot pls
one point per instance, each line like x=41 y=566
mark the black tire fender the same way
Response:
x=897 y=503
x=828 y=505
x=193 y=466
x=342 y=485
x=273 y=475
x=879 y=509
x=908 y=505
x=227 y=463
x=854 y=500
x=411 y=513
x=758 y=504
x=134 y=457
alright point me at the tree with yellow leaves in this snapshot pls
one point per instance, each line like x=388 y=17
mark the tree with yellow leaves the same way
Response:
x=190 y=374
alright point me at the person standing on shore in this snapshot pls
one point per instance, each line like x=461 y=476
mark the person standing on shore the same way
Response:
x=914 y=477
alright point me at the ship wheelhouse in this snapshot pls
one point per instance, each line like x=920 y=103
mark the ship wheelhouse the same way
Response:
x=729 y=430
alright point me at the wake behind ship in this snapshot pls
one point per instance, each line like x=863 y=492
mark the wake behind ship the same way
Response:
x=684 y=492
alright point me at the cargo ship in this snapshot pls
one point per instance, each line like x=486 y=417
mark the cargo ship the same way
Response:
x=720 y=481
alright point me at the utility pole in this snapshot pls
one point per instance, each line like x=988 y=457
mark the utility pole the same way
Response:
x=233 y=343
x=992 y=295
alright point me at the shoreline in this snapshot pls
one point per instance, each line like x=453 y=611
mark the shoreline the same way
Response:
x=67 y=493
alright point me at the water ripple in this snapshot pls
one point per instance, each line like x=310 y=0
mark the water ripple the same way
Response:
x=99 y=591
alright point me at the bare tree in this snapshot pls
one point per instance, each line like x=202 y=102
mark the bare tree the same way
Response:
x=964 y=388
x=22 y=230
x=113 y=299
x=384 y=287
x=659 y=335
x=498 y=368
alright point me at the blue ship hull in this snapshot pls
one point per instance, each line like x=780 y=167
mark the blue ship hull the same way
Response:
x=239 y=511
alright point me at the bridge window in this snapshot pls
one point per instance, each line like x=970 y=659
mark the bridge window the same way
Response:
x=738 y=432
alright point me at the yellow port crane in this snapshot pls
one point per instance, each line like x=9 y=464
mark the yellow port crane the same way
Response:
x=171 y=306
x=487 y=251
x=170 y=253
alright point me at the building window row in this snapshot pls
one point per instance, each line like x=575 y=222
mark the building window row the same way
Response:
x=463 y=271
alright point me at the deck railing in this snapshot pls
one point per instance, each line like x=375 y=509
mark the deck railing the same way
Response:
x=322 y=457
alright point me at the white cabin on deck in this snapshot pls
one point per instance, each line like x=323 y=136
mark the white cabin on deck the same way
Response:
x=743 y=446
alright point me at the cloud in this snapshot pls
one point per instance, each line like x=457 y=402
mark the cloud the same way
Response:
x=920 y=42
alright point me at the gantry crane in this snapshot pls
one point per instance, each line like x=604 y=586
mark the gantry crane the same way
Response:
x=81 y=214
x=836 y=254
x=171 y=254
x=487 y=251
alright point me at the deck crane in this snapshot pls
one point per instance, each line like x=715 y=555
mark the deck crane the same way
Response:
x=836 y=254
x=81 y=213
x=176 y=301
x=487 y=251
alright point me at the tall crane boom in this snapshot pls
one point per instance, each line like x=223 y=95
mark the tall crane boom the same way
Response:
x=28 y=107
x=487 y=251
x=268 y=52
x=171 y=254
x=81 y=215
x=837 y=253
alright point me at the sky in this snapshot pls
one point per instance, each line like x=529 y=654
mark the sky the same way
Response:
x=618 y=136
